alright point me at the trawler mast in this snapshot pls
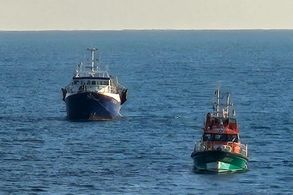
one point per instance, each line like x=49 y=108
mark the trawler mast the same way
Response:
x=93 y=58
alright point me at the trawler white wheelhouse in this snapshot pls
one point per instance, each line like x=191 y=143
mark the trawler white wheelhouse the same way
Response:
x=102 y=85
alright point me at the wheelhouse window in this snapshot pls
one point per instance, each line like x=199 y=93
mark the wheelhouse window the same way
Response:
x=75 y=82
x=207 y=137
x=104 y=82
x=93 y=82
x=232 y=138
x=220 y=137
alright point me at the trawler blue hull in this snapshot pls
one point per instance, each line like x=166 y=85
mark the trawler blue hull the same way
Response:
x=91 y=106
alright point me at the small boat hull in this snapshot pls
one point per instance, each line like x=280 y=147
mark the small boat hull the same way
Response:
x=219 y=161
x=91 y=106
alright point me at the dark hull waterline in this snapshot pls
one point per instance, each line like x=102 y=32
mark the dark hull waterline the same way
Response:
x=91 y=106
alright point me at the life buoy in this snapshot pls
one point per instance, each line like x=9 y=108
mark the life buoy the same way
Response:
x=237 y=149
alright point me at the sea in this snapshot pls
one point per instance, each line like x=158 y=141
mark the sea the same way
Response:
x=171 y=78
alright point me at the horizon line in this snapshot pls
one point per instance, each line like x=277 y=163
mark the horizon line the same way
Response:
x=146 y=29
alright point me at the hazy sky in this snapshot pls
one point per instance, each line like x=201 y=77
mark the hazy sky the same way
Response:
x=145 y=14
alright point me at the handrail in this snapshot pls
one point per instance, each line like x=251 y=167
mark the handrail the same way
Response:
x=233 y=147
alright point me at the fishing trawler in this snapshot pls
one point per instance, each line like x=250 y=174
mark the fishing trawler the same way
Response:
x=93 y=94
x=220 y=149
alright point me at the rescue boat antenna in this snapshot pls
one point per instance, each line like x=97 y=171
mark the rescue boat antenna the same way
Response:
x=93 y=60
x=218 y=102
x=228 y=103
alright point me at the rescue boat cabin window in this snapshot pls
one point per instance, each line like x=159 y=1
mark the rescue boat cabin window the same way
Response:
x=220 y=137
x=207 y=137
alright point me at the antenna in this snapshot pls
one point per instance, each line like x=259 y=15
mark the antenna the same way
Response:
x=93 y=60
x=218 y=101
x=228 y=104
x=217 y=93
x=78 y=69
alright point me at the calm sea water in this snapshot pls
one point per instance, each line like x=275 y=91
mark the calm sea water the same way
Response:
x=171 y=77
